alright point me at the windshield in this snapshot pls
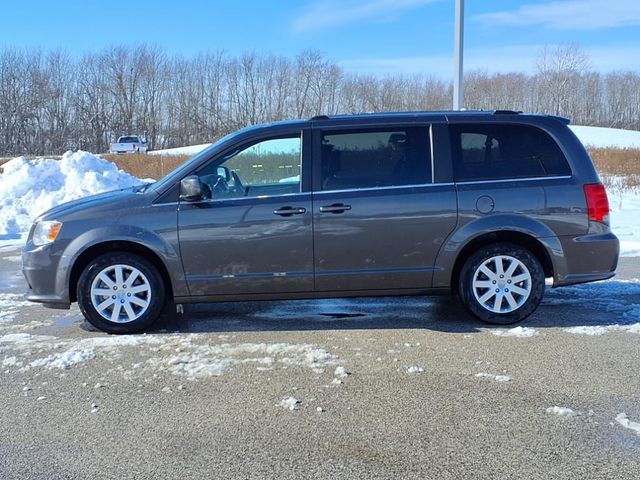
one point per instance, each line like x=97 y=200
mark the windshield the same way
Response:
x=128 y=140
x=182 y=169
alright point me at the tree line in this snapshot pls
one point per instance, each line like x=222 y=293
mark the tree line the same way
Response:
x=51 y=101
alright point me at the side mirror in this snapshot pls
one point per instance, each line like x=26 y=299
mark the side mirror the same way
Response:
x=191 y=189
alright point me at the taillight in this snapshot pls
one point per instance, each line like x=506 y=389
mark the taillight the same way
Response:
x=597 y=202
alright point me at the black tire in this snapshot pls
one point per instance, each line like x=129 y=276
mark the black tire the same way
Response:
x=468 y=295
x=150 y=277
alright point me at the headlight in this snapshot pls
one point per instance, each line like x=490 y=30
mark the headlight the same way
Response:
x=46 y=232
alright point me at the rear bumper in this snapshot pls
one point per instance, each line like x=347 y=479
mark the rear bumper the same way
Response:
x=588 y=258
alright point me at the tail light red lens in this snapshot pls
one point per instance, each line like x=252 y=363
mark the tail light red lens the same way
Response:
x=597 y=202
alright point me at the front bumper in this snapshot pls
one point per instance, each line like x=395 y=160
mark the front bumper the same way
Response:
x=45 y=280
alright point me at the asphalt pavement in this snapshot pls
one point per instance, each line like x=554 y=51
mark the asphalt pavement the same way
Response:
x=393 y=388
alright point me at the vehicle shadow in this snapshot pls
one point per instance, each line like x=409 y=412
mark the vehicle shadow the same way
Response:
x=603 y=303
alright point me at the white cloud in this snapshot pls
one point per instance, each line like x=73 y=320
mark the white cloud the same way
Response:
x=515 y=58
x=569 y=14
x=331 y=13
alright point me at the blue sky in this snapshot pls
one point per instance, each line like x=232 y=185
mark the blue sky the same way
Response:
x=369 y=36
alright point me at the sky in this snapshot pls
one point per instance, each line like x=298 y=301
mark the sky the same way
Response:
x=380 y=37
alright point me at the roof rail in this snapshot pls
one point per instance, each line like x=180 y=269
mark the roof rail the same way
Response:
x=319 y=117
x=506 y=112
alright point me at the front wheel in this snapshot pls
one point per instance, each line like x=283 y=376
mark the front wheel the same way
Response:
x=501 y=283
x=121 y=293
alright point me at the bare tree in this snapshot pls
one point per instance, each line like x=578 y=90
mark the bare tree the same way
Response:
x=50 y=101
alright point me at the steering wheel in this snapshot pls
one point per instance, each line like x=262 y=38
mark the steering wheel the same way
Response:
x=219 y=185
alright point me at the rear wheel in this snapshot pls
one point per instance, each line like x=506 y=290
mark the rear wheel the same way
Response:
x=501 y=283
x=121 y=293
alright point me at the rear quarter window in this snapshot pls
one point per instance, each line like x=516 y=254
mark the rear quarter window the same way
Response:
x=503 y=151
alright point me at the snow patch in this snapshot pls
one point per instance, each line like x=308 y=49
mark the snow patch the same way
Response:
x=516 y=332
x=10 y=303
x=24 y=338
x=497 y=378
x=623 y=420
x=64 y=360
x=625 y=210
x=415 y=369
x=290 y=403
x=588 y=330
x=602 y=137
x=190 y=150
x=562 y=411
x=198 y=360
x=11 y=362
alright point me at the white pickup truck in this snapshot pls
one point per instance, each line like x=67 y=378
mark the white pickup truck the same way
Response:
x=129 y=144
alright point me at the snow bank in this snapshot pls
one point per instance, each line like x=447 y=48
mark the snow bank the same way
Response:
x=30 y=187
x=601 y=137
x=190 y=150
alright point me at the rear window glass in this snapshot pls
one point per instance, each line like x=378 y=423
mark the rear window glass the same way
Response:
x=375 y=158
x=494 y=151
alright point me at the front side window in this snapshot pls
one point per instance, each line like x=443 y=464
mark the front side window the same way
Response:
x=375 y=158
x=269 y=167
x=494 y=151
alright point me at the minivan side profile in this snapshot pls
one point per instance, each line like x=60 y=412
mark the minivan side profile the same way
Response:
x=483 y=204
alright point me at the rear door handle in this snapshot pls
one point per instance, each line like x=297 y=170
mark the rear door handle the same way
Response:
x=335 y=208
x=288 y=211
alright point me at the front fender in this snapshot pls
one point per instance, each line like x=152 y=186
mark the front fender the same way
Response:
x=124 y=233
x=476 y=228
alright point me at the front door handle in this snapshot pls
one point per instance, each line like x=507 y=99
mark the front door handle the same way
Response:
x=335 y=208
x=288 y=211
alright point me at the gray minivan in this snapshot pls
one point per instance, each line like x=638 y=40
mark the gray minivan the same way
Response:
x=484 y=204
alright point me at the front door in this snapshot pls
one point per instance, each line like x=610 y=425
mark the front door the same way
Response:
x=253 y=232
x=379 y=219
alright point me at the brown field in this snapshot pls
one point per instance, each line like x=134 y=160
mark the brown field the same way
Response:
x=142 y=165
x=618 y=167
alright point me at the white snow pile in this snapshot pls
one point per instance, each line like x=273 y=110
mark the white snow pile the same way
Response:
x=516 y=332
x=30 y=187
x=623 y=420
x=563 y=411
x=497 y=378
x=602 y=137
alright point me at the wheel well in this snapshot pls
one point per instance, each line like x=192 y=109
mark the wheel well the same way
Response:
x=517 y=238
x=116 y=246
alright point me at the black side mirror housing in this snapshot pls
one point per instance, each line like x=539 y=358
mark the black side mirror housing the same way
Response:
x=191 y=189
